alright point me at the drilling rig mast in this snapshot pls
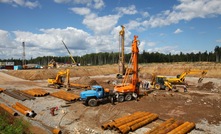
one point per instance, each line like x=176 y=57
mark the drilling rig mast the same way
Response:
x=121 y=51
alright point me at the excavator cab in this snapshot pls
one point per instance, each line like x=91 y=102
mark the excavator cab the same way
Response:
x=159 y=82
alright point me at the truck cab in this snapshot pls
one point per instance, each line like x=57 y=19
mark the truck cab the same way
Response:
x=92 y=96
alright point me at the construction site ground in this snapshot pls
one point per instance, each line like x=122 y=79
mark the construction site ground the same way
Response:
x=201 y=104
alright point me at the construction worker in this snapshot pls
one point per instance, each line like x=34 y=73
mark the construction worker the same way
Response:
x=185 y=89
x=52 y=110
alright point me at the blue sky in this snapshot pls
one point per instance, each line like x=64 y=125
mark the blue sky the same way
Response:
x=91 y=26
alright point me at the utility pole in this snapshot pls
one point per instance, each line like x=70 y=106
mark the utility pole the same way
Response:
x=23 y=54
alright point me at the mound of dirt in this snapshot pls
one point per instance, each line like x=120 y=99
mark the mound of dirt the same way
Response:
x=209 y=86
x=86 y=81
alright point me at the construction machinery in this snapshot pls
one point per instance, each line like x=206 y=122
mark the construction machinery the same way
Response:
x=72 y=58
x=127 y=91
x=95 y=94
x=52 y=64
x=121 y=53
x=62 y=79
x=180 y=79
x=160 y=82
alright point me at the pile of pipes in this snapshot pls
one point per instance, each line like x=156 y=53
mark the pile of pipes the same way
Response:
x=172 y=126
x=65 y=95
x=131 y=122
x=24 y=110
x=1 y=90
x=8 y=109
x=36 y=92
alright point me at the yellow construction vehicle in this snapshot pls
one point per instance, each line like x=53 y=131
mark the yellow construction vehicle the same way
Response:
x=180 y=79
x=72 y=58
x=52 y=64
x=160 y=82
x=62 y=79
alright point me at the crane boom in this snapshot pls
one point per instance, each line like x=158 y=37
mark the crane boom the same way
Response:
x=69 y=53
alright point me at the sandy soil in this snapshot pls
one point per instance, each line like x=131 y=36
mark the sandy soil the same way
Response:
x=201 y=104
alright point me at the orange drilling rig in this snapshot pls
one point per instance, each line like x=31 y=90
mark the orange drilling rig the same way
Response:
x=126 y=91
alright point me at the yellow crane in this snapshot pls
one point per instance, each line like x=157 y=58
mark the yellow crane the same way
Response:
x=72 y=58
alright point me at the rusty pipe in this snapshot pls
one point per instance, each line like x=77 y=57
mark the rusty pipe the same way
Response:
x=135 y=121
x=156 y=129
x=134 y=117
x=188 y=128
x=177 y=130
x=1 y=90
x=170 y=127
x=19 y=109
x=111 y=125
x=56 y=131
x=23 y=107
x=144 y=122
x=124 y=129
x=105 y=125
x=8 y=109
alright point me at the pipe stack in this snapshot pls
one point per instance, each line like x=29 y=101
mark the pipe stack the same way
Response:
x=8 y=109
x=172 y=126
x=131 y=122
x=23 y=109
x=36 y=92
x=65 y=95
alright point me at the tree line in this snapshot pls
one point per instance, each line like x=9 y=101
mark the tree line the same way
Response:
x=113 y=58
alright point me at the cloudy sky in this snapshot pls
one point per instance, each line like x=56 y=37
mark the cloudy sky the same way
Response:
x=91 y=26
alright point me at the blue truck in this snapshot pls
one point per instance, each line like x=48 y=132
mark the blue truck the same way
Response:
x=95 y=94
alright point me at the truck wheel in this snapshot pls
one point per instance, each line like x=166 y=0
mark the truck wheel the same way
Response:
x=128 y=97
x=92 y=102
x=120 y=98
x=157 y=86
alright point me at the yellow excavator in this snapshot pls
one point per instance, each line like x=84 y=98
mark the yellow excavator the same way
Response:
x=160 y=82
x=62 y=79
x=180 y=79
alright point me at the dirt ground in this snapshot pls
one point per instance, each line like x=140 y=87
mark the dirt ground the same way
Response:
x=201 y=104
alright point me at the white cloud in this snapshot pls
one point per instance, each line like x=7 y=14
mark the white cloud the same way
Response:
x=62 y=1
x=127 y=10
x=178 y=31
x=145 y=14
x=81 y=11
x=49 y=42
x=165 y=50
x=96 y=4
x=101 y=25
x=219 y=41
x=8 y=47
x=23 y=3
x=185 y=11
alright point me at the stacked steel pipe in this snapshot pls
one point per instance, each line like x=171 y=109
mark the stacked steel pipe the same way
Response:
x=8 y=109
x=1 y=90
x=172 y=126
x=23 y=109
x=65 y=95
x=130 y=122
x=56 y=131
x=37 y=92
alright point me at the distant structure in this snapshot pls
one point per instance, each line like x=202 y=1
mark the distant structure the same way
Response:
x=23 y=54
